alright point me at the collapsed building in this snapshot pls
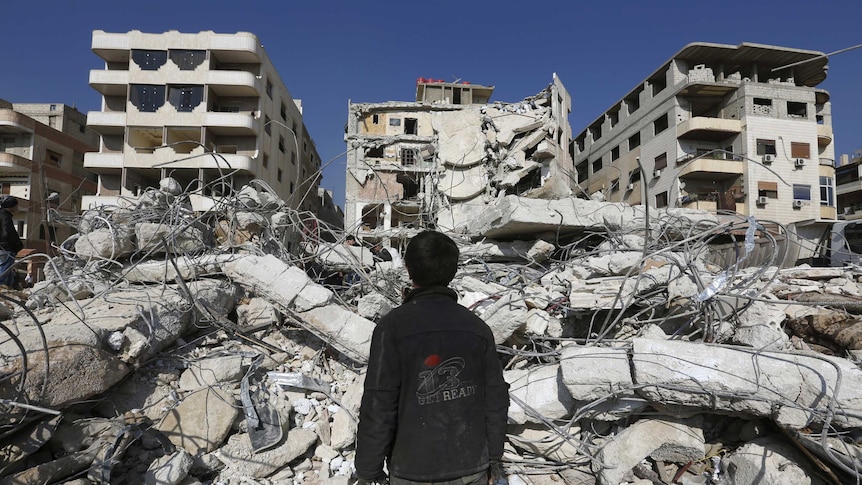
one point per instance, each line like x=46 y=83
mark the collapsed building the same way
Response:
x=451 y=153
x=168 y=346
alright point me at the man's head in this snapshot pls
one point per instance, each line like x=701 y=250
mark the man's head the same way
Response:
x=350 y=240
x=8 y=202
x=431 y=259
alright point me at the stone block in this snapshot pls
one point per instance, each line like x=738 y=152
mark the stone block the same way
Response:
x=312 y=296
x=105 y=244
x=181 y=238
x=169 y=469
x=269 y=277
x=344 y=330
x=257 y=311
x=542 y=389
x=202 y=421
x=768 y=460
x=373 y=306
x=211 y=371
x=578 y=366
x=505 y=316
x=242 y=461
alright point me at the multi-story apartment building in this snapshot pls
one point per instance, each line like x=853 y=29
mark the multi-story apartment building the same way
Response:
x=719 y=127
x=848 y=181
x=42 y=150
x=207 y=109
x=450 y=153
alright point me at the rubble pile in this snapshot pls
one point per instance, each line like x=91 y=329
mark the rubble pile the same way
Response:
x=228 y=347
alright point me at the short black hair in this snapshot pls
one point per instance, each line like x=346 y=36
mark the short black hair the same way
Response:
x=431 y=259
x=350 y=237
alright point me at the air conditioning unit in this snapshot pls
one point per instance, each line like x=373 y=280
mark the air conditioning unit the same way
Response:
x=630 y=187
x=763 y=200
x=798 y=203
x=799 y=162
x=768 y=158
x=657 y=173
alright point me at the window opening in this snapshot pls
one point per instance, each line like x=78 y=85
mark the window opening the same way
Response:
x=827 y=191
x=635 y=141
x=410 y=126
x=661 y=199
x=597 y=165
x=149 y=60
x=661 y=161
x=408 y=156
x=187 y=60
x=660 y=124
x=797 y=110
x=615 y=153
x=800 y=150
x=766 y=147
x=801 y=192
x=767 y=189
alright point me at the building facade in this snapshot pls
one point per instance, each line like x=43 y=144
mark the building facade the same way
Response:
x=436 y=161
x=207 y=109
x=719 y=127
x=42 y=150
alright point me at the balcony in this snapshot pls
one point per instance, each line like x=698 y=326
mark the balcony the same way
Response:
x=710 y=168
x=234 y=83
x=824 y=135
x=14 y=165
x=110 y=83
x=849 y=187
x=241 y=47
x=708 y=129
x=232 y=124
x=98 y=162
x=107 y=122
x=12 y=122
x=111 y=47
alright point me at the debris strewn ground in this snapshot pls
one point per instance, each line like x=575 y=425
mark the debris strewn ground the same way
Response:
x=171 y=347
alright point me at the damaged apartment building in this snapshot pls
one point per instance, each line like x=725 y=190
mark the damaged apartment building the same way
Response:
x=206 y=109
x=446 y=156
x=720 y=127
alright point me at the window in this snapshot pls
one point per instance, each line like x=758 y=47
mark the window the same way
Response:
x=408 y=156
x=660 y=161
x=615 y=185
x=615 y=153
x=149 y=60
x=54 y=157
x=185 y=98
x=304 y=146
x=596 y=130
x=761 y=106
x=658 y=86
x=291 y=188
x=766 y=147
x=53 y=107
x=265 y=160
x=281 y=143
x=633 y=102
x=267 y=127
x=283 y=111
x=278 y=175
x=147 y=97
x=581 y=140
x=394 y=121
x=762 y=102
x=827 y=191
x=410 y=126
x=800 y=150
x=635 y=141
x=660 y=124
x=635 y=176
x=614 y=117
x=375 y=119
x=801 y=192
x=374 y=152
x=187 y=60
x=597 y=165
x=292 y=158
x=767 y=189
x=581 y=169
x=661 y=199
x=797 y=110
x=269 y=88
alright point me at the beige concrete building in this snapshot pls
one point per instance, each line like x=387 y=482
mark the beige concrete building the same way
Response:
x=438 y=160
x=719 y=127
x=42 y=149
x=207 y=109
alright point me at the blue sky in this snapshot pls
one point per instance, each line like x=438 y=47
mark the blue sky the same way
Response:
x=329 y=52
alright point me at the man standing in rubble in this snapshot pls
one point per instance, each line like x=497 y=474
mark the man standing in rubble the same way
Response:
x=435 y=402
x=10 y=242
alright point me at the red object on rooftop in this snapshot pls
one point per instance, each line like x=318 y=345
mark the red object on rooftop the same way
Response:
x=421 y=80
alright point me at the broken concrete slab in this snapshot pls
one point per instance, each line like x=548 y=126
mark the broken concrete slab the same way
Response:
x=768 y=460
x=106 y=243
x=505 y=316
x=269 y=277
x=169 y=469
x=578 y=365
x=344 y=330
x=202 y=421
x=211 y=371
x=242 y=461
x=537 y=251
x=151 y=237
x=540 y=441
x=541 y=388
x=257 y=312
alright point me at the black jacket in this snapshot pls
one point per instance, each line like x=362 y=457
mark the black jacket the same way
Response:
x=9 y=239
x=435 y=401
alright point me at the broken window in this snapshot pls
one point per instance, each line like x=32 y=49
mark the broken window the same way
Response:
x=149 y=60
x=765 y=147
x=408 y=156
x=582 y=170
x=767 y=189
x=597 y=165
x=615 y=185
x=635 y=176
x=409 y=185
x=797 y=110
x=410 y=126
x=615 y=153
x=580 y=141
x=375 y=119
x=596 y=130
x=801 y=192
x=762 y=102
x=374 y=152
x=762 y=106
x=658 y=86
x=660 y=124
x=661 y=161
x=269 y=88
x=800 y=150
x=372 y=216
x=147 y=97
x=635 y=141
x=661 y=199
x=633 y=102
x=614 y=117
x=53 y=157
x=827 y=191
x=186 y=59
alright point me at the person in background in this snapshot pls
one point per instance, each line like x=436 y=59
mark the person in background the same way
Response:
x=10 y=242
x=435 y=402
x=380 y=254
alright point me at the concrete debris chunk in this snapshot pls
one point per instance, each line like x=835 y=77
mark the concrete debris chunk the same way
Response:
x=542 y=391
x=212 y=371
x=202 y=421
x=169 y=469
x=242 y=461
x=768 y=460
